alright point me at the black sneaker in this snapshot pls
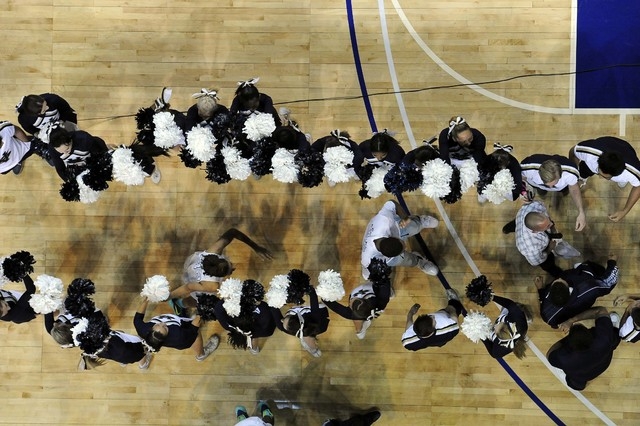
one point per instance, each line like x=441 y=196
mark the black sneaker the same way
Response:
x=17 y=169
x=509 y=228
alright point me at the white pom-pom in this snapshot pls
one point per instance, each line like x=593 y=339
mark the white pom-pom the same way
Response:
x=231 y=292
x=258 y=126
x=166 y=133
x=156 y=289
x=125 y=168
x=500 y=188
x=283 y=166
x=43 y=133
x=469 y=175
x=237 y=166
x=330 y=286
x=3 y=279
x=78 y=329
x=201 y=143
x=375 y=184
x=42 y=304
x=87 y=195
x=476 y=326
x=276 y=296
x=436 y=182
x=49 y=286
x=336 y=161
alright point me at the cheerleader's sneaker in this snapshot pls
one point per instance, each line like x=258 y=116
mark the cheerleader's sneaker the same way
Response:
x=363 y=331
x=156 y=175
x=163 y=101
x=254 y=351
x=209 y=347
x=241 y=412
x=452 y=294
x=428 y=221
x=146 y=361
x=615 y=319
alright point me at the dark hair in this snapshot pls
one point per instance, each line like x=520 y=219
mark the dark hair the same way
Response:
x=293 y=325
x=424 y=154
x=382 y=142
x=285 y=137
x=58 y=137
x=635 y=315
x=458 y=128
x=361 y=308
x=579 y=338
x=424 y=326
x=611 y=163
x=330 y=141
x=155 y=339
x=215 y=266
x=246 y=93
x=501 y=157
x=31 y=104
x=559 y=293
x=390 y=246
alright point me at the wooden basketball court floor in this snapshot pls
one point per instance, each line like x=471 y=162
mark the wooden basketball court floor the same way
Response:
x=110 y=57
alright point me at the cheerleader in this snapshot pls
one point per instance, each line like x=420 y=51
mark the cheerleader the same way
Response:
x=35 y=112
x=304 y=322
x=509 y=330
x=343 y=157
x=248 y=100
x=206 y=111
x=14 y=305
x=15 y=147
x=72 y=148
x=382 y=150
x=459 y=142
x=501 y=177
x=204 y=270
x=630 y=322
x=173 y=331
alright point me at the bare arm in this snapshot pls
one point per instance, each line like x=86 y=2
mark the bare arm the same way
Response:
x=234 y=234
x=142 y=307
x=411 y=313
x=634 y=195
x=20 y=134
x=592 y=313
x=186 y=289
x=576 y=196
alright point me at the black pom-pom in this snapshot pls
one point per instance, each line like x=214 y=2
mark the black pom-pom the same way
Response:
x=79 y=305
x=237 y=340
x=206 y=304
x=299 y=285
x=220 y=124
x=479 y=291
x=188 y=159
x=41 y=149
x=92 y=339
x=456 y=187
x=311 y=168
x=81 y=286
x=263 y=152
x=100 y=172
x=144 y=119
x=403 y=177
x=365 y=174
x=379 y=270
x=18 y=265
x=487 y=170
x=252 y=293
x=217 y=171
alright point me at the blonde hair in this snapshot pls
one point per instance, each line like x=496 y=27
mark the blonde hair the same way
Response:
x=550 y=170
x=206 y=105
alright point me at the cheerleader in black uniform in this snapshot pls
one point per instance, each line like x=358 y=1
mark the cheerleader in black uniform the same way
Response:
x=339 y=138
x=382 y=150
x=304 y=322
x=509 y=330
x=460 y=142
x=72 y=148
x=498 y=160
x=14 y=305
x=206 y=111
x=248 y=99
x=37 y=111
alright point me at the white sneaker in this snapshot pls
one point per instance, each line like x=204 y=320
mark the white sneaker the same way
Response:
x=166 y=94
x=209 y=347
x=622 y=184
x=452 y=294
x=144 y=363
x=392 y=293
x=615 y=319
x=315 y=352
x=428 y=221
x=482 y=199
x=428 y=267
x=156 y=175
x=254 y=351
x=363 y=332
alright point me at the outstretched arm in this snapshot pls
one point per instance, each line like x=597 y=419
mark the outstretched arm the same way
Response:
x=633 y=198
x=410 y=315
x=588 y=314
x=234 y=234
x=576 y=196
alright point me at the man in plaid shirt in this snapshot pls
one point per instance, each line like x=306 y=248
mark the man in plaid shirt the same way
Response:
x=534 y=237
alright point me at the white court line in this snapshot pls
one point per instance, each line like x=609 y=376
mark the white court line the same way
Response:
x=445 y=217
x=507 y=101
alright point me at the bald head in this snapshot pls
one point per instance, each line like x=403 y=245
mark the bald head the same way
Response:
x=537 y=222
